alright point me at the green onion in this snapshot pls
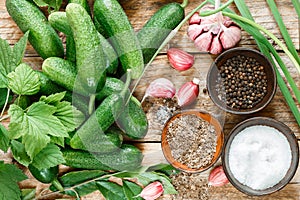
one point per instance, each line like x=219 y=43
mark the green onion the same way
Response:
x=296 y=4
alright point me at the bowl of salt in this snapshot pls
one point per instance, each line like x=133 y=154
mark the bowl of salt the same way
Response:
x=260 y=156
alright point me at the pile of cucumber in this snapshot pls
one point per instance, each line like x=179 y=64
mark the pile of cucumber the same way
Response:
x=101 y=47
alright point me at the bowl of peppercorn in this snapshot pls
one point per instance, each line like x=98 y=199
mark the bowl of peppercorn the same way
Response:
x=241 y=81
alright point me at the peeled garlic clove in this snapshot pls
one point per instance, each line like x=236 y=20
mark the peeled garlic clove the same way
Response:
x=188 y=93
x=161 y=87
x=217 y=177
x=230 y=36
x=179 y=59
x=152 y=191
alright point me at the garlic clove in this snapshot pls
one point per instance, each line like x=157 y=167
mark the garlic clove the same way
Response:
x=203 y=41
x=160 y=87
x=152 y=191
x=194 y=31
x=230 y=36
x=195 y=19
x=216 y=46
x=179 y=59
x=188 y=93
x=217 y=177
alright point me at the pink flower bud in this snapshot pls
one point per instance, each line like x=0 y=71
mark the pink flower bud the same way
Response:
x=217 y=177
x=188 y=92
x=179 y=59
x=161 y=87
x=152 y=191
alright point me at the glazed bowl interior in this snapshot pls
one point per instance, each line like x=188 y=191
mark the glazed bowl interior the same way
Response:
x=214 y=75
x=292 y=141
x=219 y=146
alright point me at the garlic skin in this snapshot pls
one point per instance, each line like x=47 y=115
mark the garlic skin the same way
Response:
x=179 y=59
x=160 y=87
x=217 y=177
x=213 y=33
x=152 y=191
x=188 y=93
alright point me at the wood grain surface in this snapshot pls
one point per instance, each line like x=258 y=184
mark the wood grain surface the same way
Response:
x=139 y=11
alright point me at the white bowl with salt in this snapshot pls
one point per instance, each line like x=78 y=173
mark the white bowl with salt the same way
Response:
x=260 y=156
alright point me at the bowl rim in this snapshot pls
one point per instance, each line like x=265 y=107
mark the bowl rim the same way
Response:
x=282 y=128
x=224 y=106
x=205 y=116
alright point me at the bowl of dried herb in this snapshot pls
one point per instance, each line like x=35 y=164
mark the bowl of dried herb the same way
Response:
x=192 y=140
x=241 y=81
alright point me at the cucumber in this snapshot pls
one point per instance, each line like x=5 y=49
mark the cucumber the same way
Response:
x=112 y=17
x=47 y=86
x=132 y=120
x=100 y=28
x=63 y=72
x=103 y=117
x=83 y=3
x=101 y=142
x=90 y=61
x=59 y=21
x=42 y=36
x=127 y=158
x=158 y=27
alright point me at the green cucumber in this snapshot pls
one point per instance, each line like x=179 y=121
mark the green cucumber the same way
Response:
x=83 y=3
x=59 y=21
x=103 y=117
x=42 y=36
x=158 y=27
x=63 y=72
x=100 y=28
x=110 y=14
x=132 y=120
x=127 y=158
x=90 y=60
x=47 y=86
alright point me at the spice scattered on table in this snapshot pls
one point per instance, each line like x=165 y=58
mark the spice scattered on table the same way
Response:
x=242 y=82
x=192 y=141
x=259 y=157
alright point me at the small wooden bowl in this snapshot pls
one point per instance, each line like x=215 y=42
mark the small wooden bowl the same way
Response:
x=293 y=143
x=214 y=74
x=167 y=150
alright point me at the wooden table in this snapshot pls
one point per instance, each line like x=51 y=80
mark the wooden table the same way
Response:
x=139 y=12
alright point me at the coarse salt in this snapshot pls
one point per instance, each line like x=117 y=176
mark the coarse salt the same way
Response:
x=259 y=157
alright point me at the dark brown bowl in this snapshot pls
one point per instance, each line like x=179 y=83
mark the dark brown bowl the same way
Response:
x=220 y=140
x=214 y=74
x=292 y=140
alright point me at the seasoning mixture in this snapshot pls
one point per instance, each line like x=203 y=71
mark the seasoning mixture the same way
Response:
x=259 y=157
x=243 y=82
x=192 y=141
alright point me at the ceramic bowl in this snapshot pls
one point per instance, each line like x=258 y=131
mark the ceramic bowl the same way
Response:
x=291 y=140
x=208 y=118
x=214 y=75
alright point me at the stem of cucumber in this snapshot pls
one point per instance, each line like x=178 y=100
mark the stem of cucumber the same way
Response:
x=184 y=3
x=57 y=185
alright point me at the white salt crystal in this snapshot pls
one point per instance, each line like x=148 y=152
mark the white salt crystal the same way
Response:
x=259 y=157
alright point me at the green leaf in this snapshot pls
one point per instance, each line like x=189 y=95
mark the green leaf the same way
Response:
x=52 y=4
x=110 y=190
x=24 y=81
x=19 y=153
x=167 y=169
x=48 y=157
x=10 y=175
x=35 y=126
x=19 y=49
x=58 y=140
x=6 y=58
x=4 y=140
x=69 y=116
x=53 y=99
x=131 y=190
